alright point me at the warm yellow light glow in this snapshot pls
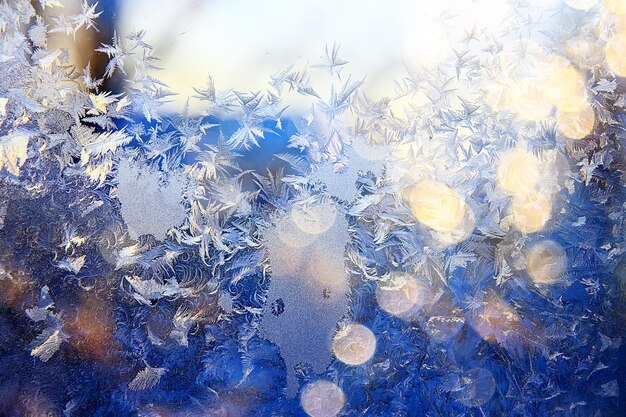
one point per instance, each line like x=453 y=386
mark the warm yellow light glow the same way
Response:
x=498 y=94
x=546 y=262
x=440 y=208
x=530 y=83
x=402 y=293
x=529 y=101
x=615 y=6
x=620 y=24
x=564 y=85
x=462 y=232
x=614 y=53
x=354 y=344
x=531 y=212
x=581 y=4
x=15 y=290
x=322 y=399
x=576 y=125
x=314 y=219
x=585 y=53
x=91 y=329
x=495 y=320
x=437 y=206
x=519 y=172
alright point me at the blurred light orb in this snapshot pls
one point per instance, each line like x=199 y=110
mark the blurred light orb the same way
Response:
x=462 y=232
x=437 y=206
x=585 y=53
x=495 y=320
x=322 y=399
x=576 y=125
x=475 y=387
x=529 y=101
x=546 y=262
x=292 y=235
x=518 y=84
x=354 y=344
x=615 y=6
x=581 y=4
x=518 y=172
x=564 y=85
x=314 y=219
x=92 y=328
x=614 y=53
x=402 y=293
x=531 y=212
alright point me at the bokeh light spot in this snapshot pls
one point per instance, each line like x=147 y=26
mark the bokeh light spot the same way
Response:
x=401 y=293
x=354 y=344
x=531 y=212
x=322 y=399
x=518 y=172
x=576 y=125
x=546 y=262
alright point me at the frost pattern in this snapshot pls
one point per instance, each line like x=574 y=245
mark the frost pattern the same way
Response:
x=132 y=237
x=14 y=151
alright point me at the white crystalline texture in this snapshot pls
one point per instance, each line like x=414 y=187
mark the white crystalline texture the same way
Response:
x=149 y=291
x=74 y=264
x=148 y=205
x=474 y=387
x=225 y=302
x=146 y=378
x=14 y=151
x=48 y=343
x=42 y=309
x=354 y=344
x=3 y=213
x=610 y=389
x=307 y=294
x=362 y=158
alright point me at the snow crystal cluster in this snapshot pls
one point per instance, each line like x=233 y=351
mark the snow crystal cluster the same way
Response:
x=455 y=248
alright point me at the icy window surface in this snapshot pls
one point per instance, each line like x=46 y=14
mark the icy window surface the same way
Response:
x=308 y=290
x=352 y=234
x=151 y=202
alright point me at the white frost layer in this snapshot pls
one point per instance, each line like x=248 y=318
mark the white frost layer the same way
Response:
x=149 y=206
x=311 y=283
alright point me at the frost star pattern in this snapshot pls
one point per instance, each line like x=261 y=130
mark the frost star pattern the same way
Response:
x=454 y=248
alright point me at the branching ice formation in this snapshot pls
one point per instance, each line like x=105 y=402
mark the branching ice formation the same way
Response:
x=472 y=221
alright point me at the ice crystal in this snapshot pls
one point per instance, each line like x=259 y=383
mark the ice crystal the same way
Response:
x=14 y=151
x=146 y=378
x=454 y=246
